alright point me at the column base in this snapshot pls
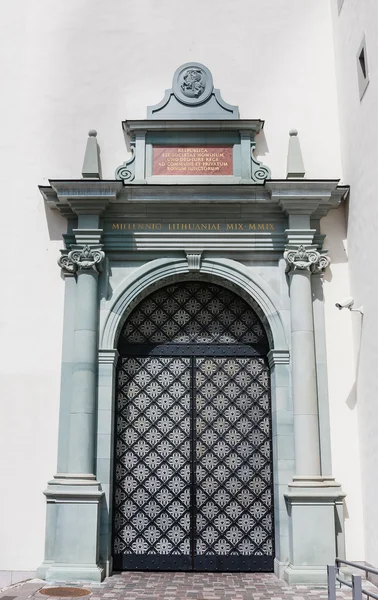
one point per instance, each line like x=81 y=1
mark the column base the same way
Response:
x=312 y=504
x=279 y=568
x=43 y=568
x=305 y=575
x=74 y=572
x=72 y=529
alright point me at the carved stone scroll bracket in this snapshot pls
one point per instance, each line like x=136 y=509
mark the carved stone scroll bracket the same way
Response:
x=194 y=260
x=305 y=259
x=126 y=172
x=259 y=171
x=82 y=257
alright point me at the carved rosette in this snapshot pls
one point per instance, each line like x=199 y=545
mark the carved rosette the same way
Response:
x=305 y=259
x=82 y=258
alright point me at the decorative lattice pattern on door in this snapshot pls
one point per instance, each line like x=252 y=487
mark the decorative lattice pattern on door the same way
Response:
x=193 y=313
x=193 y=455
x=152 y=498
x=233 y=457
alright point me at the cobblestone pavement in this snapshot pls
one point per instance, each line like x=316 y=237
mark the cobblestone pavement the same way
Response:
x=185 y=586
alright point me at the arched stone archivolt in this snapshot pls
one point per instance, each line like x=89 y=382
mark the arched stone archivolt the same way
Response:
x=272 y=312
x=161 y=272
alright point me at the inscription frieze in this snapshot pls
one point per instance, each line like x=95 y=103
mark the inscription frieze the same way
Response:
x=194 y=227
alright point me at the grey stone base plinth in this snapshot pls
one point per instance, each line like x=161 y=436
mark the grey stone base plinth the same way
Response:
x=315 y=529
x=305 y=575
x=279 y=568
x=43 y=568
x=73 y=572
x=72 y=535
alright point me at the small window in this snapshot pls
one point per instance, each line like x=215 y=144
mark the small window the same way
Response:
x=362 y=69
x=340 y=5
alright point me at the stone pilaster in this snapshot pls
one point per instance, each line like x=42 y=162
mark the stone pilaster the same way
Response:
x=107 y=359
x=312 y=499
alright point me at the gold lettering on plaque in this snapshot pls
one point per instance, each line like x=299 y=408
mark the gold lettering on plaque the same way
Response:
x=193 y=160
x=204 y=227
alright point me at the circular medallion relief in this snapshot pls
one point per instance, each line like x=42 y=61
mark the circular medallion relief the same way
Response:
x=192 y=83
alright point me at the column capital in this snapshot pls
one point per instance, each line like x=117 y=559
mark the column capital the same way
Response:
x=302 y=258
x=278 y=357
x=108 y=356
x=82 y=257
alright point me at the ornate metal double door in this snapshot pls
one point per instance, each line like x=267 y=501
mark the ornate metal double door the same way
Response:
x=193 y=480
x=193 y=464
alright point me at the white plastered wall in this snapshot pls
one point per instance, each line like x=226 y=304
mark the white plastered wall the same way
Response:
x=346 y=466
x=359 y=150
x=81 y=64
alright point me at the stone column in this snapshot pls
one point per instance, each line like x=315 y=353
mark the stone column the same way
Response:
x=300 y=264
x=86 y=260
x=74 y=495
x=321 y=372
x=66 y=372
x=311 y=497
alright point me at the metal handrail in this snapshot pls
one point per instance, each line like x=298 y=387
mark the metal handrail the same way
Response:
x=356 y=583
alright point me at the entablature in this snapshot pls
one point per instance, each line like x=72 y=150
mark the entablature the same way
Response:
x=213 y=218
x=193 y=183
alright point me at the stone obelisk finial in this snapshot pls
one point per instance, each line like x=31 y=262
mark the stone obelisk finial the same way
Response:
x=92 y=165
x=295 y=166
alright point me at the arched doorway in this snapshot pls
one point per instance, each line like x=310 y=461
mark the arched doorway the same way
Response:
x=193 y=452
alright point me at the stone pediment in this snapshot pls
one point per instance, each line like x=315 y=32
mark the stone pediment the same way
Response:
x=192 y=136
x=192 y=96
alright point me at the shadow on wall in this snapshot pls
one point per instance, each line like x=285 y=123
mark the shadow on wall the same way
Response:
x=56 y=223
x=334 y=227
x=105 y=287
x=351 y=400
x=261 y=144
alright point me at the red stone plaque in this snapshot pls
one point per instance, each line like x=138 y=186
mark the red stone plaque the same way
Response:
x=192 y=160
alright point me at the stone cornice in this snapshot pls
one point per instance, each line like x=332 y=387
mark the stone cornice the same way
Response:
x=135 y=126
x=80 y=196
x=306 y=196
x=310 y=197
